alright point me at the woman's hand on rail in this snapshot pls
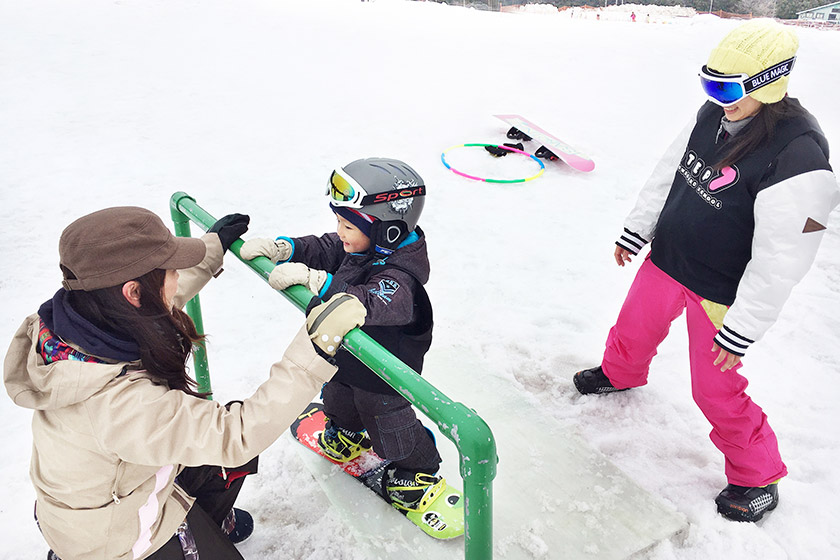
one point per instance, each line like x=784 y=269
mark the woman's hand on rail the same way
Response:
x=230 y=228
x=327 y=323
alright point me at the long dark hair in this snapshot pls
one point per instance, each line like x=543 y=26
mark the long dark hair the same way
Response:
x=165 y=336
x=759 y=130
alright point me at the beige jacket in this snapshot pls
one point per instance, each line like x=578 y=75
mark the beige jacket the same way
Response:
x=107 y=447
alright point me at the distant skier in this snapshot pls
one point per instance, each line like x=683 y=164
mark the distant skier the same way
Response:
x=379 y=255
x=735 y=212
x=633 y=17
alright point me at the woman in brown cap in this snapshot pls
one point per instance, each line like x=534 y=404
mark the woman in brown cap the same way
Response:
x=121 y=436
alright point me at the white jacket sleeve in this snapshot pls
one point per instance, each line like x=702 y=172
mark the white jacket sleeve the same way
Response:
x=790 y=220
x=641 y=222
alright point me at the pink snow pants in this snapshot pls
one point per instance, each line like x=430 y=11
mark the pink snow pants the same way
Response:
x=739 y=426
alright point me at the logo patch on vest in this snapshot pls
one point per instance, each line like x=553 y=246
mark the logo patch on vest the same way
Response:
x=705 y=180
x=386 y=290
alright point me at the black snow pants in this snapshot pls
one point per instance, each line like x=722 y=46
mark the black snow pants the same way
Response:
x=215 y=496
x=392 y=425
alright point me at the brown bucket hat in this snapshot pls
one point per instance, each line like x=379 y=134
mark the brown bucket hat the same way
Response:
x=115 y=245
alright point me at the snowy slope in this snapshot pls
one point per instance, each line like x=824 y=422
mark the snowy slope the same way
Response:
x=248 y=105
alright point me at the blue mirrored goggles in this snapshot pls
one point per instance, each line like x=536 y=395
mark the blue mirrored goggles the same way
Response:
x=728 y=89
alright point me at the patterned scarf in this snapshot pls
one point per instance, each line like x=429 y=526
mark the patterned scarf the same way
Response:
x=53 y=349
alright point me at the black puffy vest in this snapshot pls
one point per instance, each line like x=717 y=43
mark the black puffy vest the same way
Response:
x=408 y=342
x=703 y=238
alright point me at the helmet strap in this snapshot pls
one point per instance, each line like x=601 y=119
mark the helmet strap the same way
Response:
x=385 y=237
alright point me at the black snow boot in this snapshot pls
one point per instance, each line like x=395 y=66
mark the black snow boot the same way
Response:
x=747 y=503
x=593 y=380
x=238 y=525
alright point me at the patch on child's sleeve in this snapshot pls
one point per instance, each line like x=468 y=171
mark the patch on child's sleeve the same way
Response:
x=386 y=289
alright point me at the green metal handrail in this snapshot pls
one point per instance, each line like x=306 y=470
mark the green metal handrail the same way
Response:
x=460 y=424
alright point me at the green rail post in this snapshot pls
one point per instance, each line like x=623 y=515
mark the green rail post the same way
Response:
x=460 y=424
x=202 y=368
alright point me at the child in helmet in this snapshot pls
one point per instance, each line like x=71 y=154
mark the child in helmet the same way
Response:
x=735 y=212
x=377 y=254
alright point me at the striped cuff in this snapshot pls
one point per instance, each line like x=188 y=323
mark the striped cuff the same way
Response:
x=732 y=342
x=633 y=242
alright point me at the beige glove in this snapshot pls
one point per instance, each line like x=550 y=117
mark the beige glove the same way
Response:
x=275 y=250
x=328 y=322
x=289 y=274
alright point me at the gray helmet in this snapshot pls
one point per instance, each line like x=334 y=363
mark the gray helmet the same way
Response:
x=382 y=175
x=395 y=195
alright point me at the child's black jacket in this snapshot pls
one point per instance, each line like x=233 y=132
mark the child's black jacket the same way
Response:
x=399 y=314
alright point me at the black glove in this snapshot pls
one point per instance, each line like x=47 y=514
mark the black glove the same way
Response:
x=230 y=228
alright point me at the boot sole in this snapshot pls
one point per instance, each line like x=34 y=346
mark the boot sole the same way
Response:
x=737 y=514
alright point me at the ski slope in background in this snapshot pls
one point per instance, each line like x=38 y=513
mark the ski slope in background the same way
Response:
x=249 y=105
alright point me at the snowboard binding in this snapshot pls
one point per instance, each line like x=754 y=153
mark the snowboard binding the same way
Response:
x=496 y=151
x=545 y=153
x=516 y=134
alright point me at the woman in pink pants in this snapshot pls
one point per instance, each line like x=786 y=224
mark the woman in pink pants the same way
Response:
x=734 y=212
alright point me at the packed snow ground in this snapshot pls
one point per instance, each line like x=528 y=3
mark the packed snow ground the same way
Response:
x=248 y=105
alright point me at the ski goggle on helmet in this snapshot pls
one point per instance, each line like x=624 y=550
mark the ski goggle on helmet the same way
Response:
x=343 y=190
x=729 y=89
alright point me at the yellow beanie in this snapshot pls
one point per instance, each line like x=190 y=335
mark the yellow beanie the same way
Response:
x=755 y=46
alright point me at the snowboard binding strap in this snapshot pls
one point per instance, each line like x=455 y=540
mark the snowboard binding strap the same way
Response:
x=545 y=153
x=341 y=445
x=496 y=151
x=516 y=134
x=429 y=495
